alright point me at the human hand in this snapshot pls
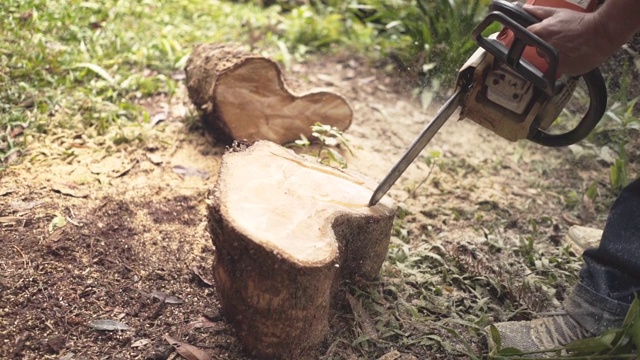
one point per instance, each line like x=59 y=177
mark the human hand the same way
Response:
x=581 y=43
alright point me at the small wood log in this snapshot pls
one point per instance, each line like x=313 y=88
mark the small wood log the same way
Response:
x=243 y=97
x=288 y=232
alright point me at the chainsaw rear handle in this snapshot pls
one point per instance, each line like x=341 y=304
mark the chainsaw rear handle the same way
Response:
x=517 y=20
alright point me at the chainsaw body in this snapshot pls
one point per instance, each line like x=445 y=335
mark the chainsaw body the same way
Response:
x=513 y=86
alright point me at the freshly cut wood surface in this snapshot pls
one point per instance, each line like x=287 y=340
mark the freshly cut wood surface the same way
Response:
x=244 y=97
x=288 y=233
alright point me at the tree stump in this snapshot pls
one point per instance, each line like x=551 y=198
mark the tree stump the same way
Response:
x=287 y=233
x=244 y=97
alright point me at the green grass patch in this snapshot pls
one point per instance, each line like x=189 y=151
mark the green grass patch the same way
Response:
x=85 y=65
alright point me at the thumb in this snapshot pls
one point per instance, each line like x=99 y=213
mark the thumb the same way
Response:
x=541 y=12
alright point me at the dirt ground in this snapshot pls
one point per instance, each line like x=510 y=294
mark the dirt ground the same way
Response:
x=95 y=231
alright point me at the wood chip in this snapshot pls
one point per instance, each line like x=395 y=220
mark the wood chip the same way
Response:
x=9 y=219
x=108 y=325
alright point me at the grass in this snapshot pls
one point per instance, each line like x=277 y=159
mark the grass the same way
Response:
x=85 y=66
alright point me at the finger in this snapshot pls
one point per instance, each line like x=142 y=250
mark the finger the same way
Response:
x=541 y=12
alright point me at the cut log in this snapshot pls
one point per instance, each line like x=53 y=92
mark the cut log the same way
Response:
x=244 y=97
x=288 y=232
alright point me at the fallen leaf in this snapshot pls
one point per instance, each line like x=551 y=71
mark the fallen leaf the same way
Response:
x=4 y=192
x=570 y=219
x=58 y=222
x=140 y=343
x=18 y=130
x=127 y=169
x=196 y=270
x=159 y=117
x=155 y=158
x=185 y=171
x=201 y=323
x=393 y=355
x=187 y=351
x=166 y=298
x=108 y=325
x=115 y=165
x=69 y=189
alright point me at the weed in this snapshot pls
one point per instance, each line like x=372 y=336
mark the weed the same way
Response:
x=329 y=139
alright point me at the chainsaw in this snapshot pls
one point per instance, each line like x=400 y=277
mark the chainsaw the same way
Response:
x=511 y=86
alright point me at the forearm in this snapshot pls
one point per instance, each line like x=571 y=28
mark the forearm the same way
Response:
x=619 y=20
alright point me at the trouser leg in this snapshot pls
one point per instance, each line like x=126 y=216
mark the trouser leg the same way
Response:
x=610 y=276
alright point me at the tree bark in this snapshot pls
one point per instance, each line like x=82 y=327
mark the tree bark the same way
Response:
x=244 y=97
x=287 y=233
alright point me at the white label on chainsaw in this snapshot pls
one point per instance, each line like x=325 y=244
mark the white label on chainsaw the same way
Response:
x=582 y=3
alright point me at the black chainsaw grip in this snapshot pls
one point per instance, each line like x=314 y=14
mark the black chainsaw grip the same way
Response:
x=597 y=106
x=514 y=11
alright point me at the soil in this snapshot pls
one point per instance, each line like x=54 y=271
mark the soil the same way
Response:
x=96 y=231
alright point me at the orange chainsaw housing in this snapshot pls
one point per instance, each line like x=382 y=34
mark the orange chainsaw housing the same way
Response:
x=530 y=53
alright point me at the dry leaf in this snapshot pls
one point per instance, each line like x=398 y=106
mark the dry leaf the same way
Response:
x=115 y=165
x=140 y=343
x=159 y=117
x=166 y=298
x=196 y=270
x=69 y=189
x=570 y=219
x=187 y=351
x=201 y=323
x=155 y=158
x=127 y=169
x=185 y=171
x=4 y=192
x=393 y=355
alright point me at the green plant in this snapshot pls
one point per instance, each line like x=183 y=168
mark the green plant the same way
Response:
x=329 y=139
x=419 y=33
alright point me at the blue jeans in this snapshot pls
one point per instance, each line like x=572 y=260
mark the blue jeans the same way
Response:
x=610 y=277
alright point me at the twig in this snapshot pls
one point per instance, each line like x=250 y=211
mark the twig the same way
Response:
x=24 y=257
